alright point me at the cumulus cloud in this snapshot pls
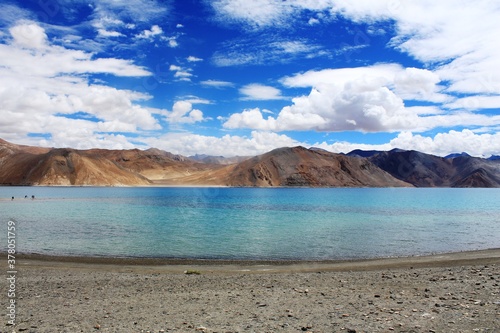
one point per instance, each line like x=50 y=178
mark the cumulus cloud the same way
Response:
x=44 y=89
x=260 y=92
x=30 y=53
x=183 y=113
x=29 y=35
x=442 y=144
x=463 y=52
x=251 y=118
x=483 y=145
x=259 y=142
x=419 y=84
x=366 y=99
x=344 y=99
x=228 y=145
x=459 y=50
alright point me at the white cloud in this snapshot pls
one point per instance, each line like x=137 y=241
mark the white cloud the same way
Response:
x=259 y=92
x=256 y=13
x=217 y=84
x=313 y=21
x=106 y=33
x=106 y=26
x=293 y=46
x=193 y=59
x=113 y=21
x=195 y=100
x=259 y=142
x=267 y=49
x=183 y=112
x=343 y=99
x=419 y=84
x=172 y=42
x=181 y=73
x=442 y=144
x=459 y=39
x=367 y=99
x=384 y=73
x=228 y=145
x=475 y=103
x=151 y=33
x=251 y=118
x=259 y=14
x=44 y=88
x=31 y=53
x=29 y=35
x=137 y=11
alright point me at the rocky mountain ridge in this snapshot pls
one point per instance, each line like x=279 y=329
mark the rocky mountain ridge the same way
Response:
x=295 y=166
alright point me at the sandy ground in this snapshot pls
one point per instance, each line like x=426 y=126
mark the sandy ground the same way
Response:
x=443 y=293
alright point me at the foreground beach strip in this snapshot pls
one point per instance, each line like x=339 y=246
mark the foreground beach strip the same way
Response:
x=457 y=292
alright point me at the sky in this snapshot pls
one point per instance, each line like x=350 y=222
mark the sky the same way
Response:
x=240 y=77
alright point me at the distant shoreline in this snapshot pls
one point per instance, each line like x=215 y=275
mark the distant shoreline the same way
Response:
x=476 y=257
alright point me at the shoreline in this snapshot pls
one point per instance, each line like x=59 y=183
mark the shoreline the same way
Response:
x=453 y=292
x=173 y=265
x=440 y=292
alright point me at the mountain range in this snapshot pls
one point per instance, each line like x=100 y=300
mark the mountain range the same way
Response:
x=290 y=166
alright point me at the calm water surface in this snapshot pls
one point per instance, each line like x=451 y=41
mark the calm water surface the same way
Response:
x=250 y=223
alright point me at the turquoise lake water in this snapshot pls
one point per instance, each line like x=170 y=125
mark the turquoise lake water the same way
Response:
x=250 y=223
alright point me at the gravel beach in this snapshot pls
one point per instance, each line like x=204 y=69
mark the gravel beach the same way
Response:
x=457 y=292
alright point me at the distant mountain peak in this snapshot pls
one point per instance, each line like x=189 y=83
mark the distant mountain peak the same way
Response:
x=454 y=155
x=363 y=153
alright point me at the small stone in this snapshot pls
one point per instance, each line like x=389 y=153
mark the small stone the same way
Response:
x=201 y=328
x=97 y=326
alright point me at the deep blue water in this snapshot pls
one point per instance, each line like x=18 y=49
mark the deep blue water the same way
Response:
x=250 y=223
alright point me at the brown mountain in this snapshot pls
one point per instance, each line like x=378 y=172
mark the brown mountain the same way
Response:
x=424 y=170
x=299 y=166
x=218 y=159
x=22 y=165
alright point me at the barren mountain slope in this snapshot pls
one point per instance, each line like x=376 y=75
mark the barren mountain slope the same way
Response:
x=299 y=166
x=424 y=170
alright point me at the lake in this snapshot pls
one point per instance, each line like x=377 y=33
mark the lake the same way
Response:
x=250 y=223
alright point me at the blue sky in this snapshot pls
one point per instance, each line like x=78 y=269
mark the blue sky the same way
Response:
x=239 y=77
